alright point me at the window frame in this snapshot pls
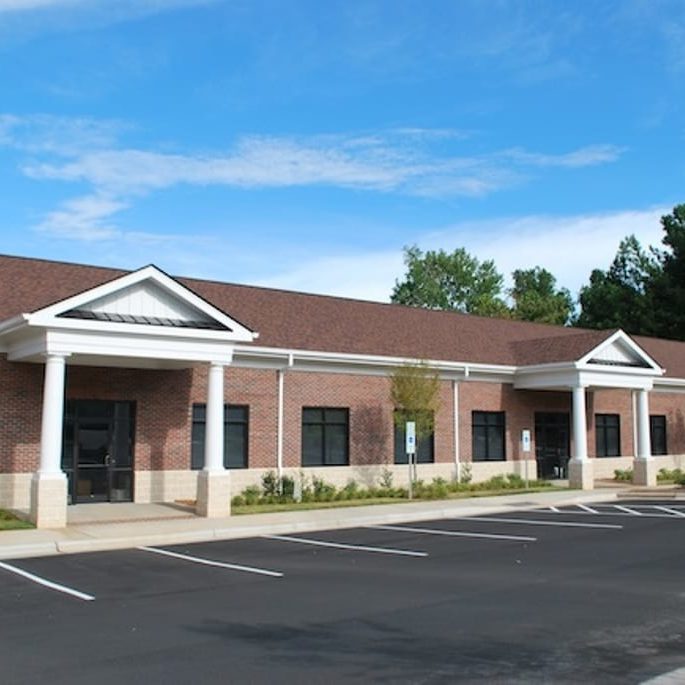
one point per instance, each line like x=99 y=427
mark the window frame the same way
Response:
x=490 y=423
x=601 y=435
x=327 y=429
x=663 y=429
x=198 y=433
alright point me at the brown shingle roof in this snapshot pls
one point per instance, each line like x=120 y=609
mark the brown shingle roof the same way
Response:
x=292 y=320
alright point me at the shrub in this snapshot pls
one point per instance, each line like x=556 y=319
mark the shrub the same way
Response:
x=252 y=494
x=668 y=475
x=238 y=501
x=623 y=474
x=466 y=473
x=322 y=491
x=270 y=483
x=386 y=478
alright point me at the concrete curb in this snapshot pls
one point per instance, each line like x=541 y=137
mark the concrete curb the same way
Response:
x=76 y=540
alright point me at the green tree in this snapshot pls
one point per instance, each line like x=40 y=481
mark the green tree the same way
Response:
x=622 y=296
x=415 y=394
x=536 y=297
x=667 y=287
x=454 y=281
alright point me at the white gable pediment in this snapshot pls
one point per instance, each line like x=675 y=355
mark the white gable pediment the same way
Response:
x=619 y=351
x=145 y=299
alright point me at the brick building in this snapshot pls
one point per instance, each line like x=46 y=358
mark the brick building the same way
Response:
x=120 y=386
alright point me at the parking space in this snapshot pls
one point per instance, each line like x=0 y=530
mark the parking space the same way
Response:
x=547 y=595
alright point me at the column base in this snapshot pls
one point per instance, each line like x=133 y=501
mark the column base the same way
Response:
x=49 y=500
x=581 y=474
x=644 y=471
x=213 y=494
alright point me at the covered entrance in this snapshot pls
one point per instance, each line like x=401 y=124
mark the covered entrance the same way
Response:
x=97 y=454
x=552 y=444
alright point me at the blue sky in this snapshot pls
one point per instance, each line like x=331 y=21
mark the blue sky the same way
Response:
x=302 y=143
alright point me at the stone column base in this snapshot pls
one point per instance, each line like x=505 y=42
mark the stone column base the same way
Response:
x=644 y=471
x=213 y=494
x=581 y=474
x=49 y=500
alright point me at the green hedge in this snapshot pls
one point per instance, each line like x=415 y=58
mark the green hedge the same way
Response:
x=283 y=491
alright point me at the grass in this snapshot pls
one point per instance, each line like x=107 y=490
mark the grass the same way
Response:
x=9 y=521
x=242 y=509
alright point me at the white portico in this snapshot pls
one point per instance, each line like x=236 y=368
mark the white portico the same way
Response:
x=618 y=363
x=145 y=320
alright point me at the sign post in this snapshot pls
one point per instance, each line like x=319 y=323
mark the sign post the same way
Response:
x=410 y=446
x=525 y=448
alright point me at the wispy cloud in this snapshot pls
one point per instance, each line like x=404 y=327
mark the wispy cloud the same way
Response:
x=409 y=161
x=513 y=243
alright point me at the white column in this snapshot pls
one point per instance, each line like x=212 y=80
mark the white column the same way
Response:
x=49 y=483
x=214 y=481
x=214 y=425
x=644 y=466
x=644 y=449
x=53 y=415
x=580 y=467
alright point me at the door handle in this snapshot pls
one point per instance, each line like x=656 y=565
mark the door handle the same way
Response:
x=107 y=459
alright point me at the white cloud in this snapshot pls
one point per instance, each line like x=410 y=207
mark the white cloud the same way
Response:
x=590 y=155
x=410 y=161
x=568 y=246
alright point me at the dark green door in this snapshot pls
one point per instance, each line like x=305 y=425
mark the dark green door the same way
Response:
x=97 y=454
x=552 y=444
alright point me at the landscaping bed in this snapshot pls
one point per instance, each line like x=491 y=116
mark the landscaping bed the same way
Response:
x=9 y=521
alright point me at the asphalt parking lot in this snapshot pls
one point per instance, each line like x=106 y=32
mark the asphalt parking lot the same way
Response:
x=590 y=593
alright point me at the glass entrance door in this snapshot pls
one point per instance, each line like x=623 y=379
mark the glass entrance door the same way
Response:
x=552 y=444
x=97 y=454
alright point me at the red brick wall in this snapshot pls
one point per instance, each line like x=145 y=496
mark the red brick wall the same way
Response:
x=164 y=399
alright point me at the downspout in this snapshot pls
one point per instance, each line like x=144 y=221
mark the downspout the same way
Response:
x=455 y=411
x=279 y=428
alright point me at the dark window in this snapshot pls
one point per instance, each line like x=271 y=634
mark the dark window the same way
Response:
x=424 y=454
x=657 y=431
x=608 y=435
x=325 y=436
x=488 y=435
x=236 y=429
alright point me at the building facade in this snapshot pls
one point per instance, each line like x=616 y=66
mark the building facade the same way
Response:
x=136 y=386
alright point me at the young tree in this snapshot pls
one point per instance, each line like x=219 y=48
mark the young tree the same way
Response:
x=536 y=297
x=456 y=281
x=414 y=391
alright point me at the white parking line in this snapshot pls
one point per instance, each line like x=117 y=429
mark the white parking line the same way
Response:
x=339 y=545
x=209 y=562
x=612 y=513
x=456 y=534
x=555 y=510
x=535 y=522
x=628 y=510
x=47 y=583
x=590 y=510
x=671 y=510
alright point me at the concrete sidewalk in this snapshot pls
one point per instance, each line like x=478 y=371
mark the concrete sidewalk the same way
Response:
x=154 y=528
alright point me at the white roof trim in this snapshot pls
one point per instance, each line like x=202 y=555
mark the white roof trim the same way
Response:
x=47 y=317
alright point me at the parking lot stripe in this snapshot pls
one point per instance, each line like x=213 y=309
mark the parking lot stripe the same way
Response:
x=628 y=510
x=670 y=510
x=456 y=534
x=209 y=562
x=340 y=545
x=47 y=583
x=535 y=522
x=611 y=513
x=590 y=510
